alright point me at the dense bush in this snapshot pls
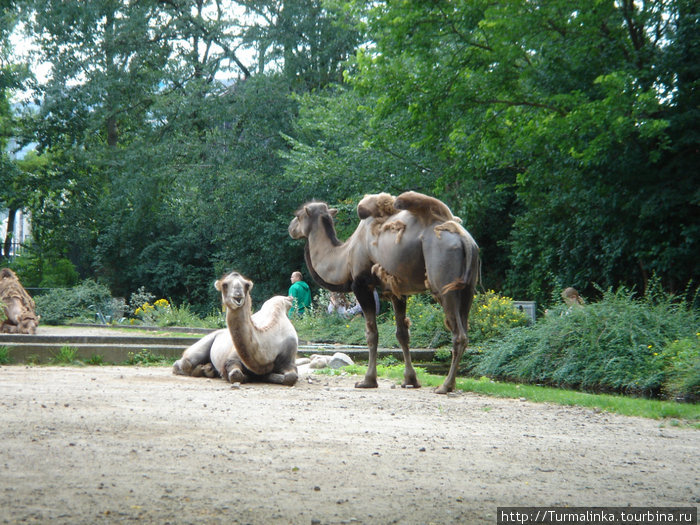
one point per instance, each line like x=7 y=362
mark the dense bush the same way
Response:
x=81 y=302
x=163 y=313
x=646 y=346
x=491 y=316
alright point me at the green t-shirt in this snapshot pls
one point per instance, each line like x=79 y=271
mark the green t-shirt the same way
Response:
x=302 y=297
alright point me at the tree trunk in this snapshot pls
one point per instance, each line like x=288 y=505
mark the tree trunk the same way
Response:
x=7 y=245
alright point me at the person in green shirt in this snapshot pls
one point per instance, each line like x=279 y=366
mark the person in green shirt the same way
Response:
x=301 y=293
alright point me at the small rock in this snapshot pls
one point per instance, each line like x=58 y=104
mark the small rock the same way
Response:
x=339 y=360
x=236 y=385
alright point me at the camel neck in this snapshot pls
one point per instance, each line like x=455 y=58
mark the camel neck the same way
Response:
x=327 y=258
x=240 y=326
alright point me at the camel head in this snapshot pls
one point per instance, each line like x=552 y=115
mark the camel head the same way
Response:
x=235 y=290
x=309 y=216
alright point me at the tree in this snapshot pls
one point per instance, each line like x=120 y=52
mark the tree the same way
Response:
x=164 y=143
x=13 y=189
x=555 y=120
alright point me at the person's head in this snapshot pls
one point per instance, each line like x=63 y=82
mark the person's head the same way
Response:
x=571 y=297
x=296 y=276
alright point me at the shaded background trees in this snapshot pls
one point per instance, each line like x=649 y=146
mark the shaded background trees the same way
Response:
x=177 y=138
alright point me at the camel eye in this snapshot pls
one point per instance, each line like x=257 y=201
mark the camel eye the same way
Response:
x=224 y=287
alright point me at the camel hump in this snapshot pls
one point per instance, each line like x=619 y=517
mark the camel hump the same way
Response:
x=376 y=205
x=272 y=310
x=427 y=208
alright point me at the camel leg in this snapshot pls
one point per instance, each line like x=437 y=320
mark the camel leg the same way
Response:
x=452 y=308
x=403 y=337
x=233 y=371
x=365 y=297
x=288 y=378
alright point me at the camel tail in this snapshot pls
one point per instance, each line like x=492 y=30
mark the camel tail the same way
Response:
x=472 y=267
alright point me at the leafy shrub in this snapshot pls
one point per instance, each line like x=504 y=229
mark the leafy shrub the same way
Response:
x=60 y=272
x=81 y=302
x=162 y=313
x=138 y=299
x=151 y=313
x=36 y=271
x=492 y=316
x=2 y=312
x=611 y=345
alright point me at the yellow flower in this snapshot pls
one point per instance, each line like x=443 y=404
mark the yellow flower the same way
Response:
x=162 y=303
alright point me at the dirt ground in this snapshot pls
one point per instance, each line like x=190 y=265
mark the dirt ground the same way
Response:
x=127 y=444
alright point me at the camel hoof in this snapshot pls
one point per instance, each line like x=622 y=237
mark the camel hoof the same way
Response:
x=209 y=371
x=366 y=384
x=442 y=389
x=290 y=379
x=236 y=376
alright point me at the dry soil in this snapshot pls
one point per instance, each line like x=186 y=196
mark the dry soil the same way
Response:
x=140 y=445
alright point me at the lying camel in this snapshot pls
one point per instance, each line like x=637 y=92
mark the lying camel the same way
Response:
x=18 y=306
x=447 y=264
x=261 y=346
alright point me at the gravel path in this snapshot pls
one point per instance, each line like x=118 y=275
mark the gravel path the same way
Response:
x=127 y=444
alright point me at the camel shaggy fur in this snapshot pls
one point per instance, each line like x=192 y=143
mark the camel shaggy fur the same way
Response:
x=260 y=346
x=402 y=260
x=428 y=209
x=18 y=306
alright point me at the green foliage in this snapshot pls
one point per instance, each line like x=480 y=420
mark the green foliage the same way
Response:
x=36 y=272
x=162 y=313
x=5 y=358
x=564 y=136
x=59 y=306
x=147 y=358
x=681 y=363
x=65 y=356
x=28 y=268
x=95 y=360
x=557 y=129
x=427 y=322
x=619 y=344
x=492 y=316
x=60 y=272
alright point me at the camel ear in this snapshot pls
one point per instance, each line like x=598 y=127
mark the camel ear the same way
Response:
x=248 y=286
x=333 y=212
x=217 y=285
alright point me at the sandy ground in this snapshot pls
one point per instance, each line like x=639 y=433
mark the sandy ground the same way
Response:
x=127 y=444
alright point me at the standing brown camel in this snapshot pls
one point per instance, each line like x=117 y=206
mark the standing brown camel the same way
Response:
x=408 y=254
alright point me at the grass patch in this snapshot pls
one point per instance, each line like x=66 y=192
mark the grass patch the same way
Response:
x=95 y=360
x=148 y=358
x=5 y=355
x=67 y=355
x=687 y=413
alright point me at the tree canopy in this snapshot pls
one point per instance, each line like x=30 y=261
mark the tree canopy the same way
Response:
x=177 y=138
